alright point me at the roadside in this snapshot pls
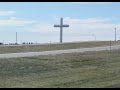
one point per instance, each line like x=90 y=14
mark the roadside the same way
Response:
x=54 y=52
x=55 y=46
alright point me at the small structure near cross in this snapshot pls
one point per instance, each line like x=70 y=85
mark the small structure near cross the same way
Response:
x=61 y=28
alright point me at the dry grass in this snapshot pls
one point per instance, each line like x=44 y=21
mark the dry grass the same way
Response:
x=95 y=69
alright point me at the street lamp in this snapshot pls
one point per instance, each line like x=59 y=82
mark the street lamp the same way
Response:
x=93 y=35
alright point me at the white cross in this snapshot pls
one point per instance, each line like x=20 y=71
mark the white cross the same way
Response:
x=61 y=28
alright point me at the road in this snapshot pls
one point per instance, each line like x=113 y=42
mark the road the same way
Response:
x=54 y=52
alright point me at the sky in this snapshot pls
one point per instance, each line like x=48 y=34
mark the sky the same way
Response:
x=34 y=21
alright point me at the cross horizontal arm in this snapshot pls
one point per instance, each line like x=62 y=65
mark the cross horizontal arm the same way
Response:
x=57 y=26
x=65 y=25
x=61 y=26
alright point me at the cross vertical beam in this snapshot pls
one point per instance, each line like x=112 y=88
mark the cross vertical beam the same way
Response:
x=61 y=28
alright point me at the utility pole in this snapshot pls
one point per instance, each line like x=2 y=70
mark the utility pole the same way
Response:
x=115 y=34
x=16 y=37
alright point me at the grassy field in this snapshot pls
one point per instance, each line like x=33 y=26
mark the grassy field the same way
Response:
x=95 y=69
x=34 y=48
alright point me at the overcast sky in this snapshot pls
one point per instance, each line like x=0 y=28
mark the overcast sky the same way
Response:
x=34 y=21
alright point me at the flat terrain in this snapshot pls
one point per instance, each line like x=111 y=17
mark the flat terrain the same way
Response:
x=49 y=47
x=95 y=69
x=54 y=52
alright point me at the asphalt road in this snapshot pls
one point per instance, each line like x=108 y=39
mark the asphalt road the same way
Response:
x=54 y=52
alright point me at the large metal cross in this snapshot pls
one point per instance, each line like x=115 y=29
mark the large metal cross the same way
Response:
x=61 y=28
